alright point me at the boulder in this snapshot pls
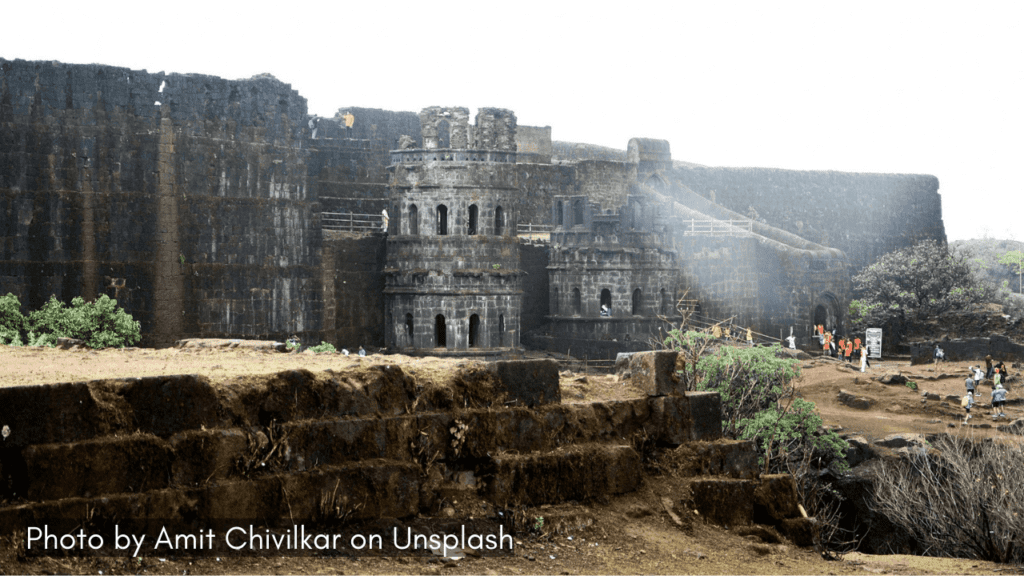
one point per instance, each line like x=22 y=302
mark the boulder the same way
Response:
x=894 y=378
x=859 y=403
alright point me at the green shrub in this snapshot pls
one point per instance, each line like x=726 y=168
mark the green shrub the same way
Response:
x=12 y=322
x=323 y=347
x=99 y=324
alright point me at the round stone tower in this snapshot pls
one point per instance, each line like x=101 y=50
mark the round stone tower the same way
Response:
x=453 y=278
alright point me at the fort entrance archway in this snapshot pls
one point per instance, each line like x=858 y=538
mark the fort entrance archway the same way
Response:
x=827 y=312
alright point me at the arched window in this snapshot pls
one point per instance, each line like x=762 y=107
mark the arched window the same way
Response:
x=577 y=213
x=606 y=302
x=440 y=332
x=474 y=330
x=501 y=329
x=577 y=303
x=471 y=228
x=414 y=220
x=559 y=214
x=442 y=220
x=637 y=302
x=408 y=328
x=499 y=221
x=666 y=303
x=554 y=301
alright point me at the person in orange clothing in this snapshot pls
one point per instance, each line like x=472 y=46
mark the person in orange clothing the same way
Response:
x=842 y=346
x=849 y=350
x=856 y=345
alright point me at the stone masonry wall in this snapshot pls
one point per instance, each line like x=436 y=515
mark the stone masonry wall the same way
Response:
x=864 y=215
x=354 y=290
x=194 y=213
x=606 y=183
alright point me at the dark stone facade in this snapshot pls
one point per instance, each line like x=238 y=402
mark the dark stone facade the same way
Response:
x=196 y=202
x=453 y=273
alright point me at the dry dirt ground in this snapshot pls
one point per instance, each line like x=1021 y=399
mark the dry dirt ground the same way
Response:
x=623 y=535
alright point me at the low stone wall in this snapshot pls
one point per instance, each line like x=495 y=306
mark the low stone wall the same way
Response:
x=969 y=349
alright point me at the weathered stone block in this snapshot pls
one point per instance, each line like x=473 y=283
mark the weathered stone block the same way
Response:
x=724 y=501
x=530 y=382
x=654 y=372
x=734 y=458
x=775 y=498
x=204 y=455
x=706 y=415
x=670 y=419
x=102 y=466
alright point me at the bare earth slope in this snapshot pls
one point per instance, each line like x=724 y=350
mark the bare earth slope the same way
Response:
x=628 y=534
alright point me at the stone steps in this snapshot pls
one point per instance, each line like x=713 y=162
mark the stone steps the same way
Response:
x=270 y=448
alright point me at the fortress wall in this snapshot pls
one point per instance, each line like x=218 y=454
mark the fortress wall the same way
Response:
x=348 y=168
x=760 y=285
x=195 y=213
x=864 y=215
x=534 y=262
x=539 y=184
x=577 y=151
x=605 y=183
x=353 y=283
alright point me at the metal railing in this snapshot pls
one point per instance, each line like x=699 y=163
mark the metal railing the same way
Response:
x=528 y=228
x=694 y=227
x=348 y=222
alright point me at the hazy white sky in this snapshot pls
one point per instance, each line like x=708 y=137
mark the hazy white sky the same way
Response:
x=908 y=87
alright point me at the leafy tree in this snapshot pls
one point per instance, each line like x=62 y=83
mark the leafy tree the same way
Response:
x=12 y=322
x=100 y=324
x=1015 y=261
x=914 y=283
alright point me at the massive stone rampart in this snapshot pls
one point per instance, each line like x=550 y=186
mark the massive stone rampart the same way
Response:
x=183 y=196
x=864 y=215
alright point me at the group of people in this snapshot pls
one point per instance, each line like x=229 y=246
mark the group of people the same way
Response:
x=997 y=373
x=725 y=332
x=842 y=347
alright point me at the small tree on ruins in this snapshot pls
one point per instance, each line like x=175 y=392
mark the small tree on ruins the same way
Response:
x=913 y=284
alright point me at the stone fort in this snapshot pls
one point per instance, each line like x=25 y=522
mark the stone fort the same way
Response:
x=220 y=208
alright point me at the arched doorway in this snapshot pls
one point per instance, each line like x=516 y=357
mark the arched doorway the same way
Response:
x=474 y=330
x=637 y=302
x=440 y=332
x=499 y=221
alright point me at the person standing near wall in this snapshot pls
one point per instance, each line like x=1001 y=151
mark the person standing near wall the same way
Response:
x=349 y=120
x=750 y=337
x=384 y=220
x=988 y=366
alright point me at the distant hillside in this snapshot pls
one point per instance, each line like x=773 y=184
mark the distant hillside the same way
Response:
x=985 y=254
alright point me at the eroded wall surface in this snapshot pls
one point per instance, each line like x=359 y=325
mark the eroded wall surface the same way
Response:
x=864 y=215
x=183 y=196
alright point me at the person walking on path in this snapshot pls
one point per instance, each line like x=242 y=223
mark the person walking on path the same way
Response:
x=997 y=379
x=863 y=358
x=750 y=337
x=970 y=384
x=967 y=402
x=998 y=401
x=988 y=366
x=849 y=350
